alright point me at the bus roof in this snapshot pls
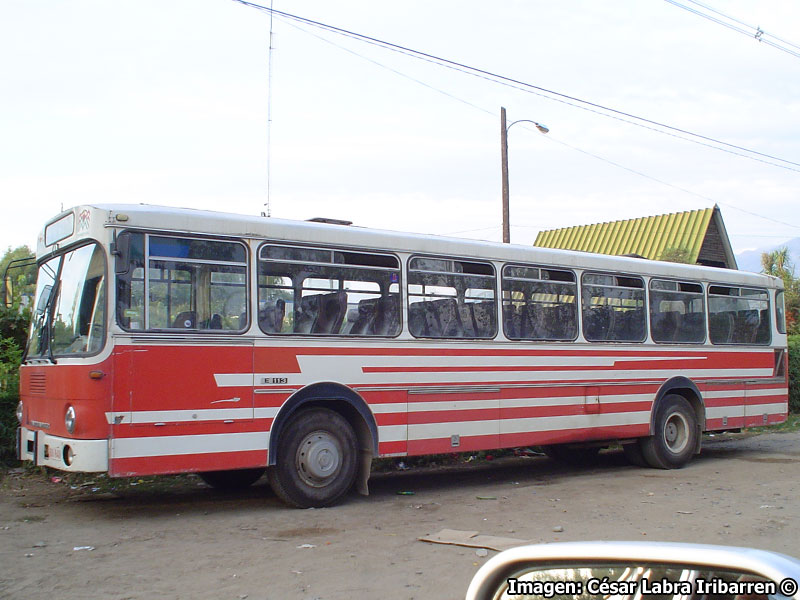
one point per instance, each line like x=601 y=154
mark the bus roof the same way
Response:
x=194 y=221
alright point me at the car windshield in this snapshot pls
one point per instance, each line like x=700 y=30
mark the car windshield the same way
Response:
x=70 y=306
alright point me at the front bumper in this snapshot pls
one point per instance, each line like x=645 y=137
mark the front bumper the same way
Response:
x=45 y=450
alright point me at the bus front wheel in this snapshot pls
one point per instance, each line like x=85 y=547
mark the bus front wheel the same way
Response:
x=316 y=463
x=675 y=436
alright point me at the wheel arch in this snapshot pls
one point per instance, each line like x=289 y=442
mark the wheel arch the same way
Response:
x=348 y=404
x=685 y=387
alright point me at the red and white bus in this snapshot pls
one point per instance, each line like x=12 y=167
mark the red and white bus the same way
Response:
x=170 y=341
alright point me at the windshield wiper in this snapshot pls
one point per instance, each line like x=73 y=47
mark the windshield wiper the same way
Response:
x=45 y=325
x=49 y=324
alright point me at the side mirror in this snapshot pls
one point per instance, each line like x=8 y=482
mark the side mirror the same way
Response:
x=121 y=251
x=8 y=292
x=629 y=570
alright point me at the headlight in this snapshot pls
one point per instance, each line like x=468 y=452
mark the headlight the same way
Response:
x=69 y=419
x=19 y=412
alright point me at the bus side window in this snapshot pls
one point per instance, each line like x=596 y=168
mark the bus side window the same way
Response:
x=613 y=308
x=451 y=298
x=738 y=315
x=328 y=292
x=677 y=312
x=539 y=303
x=190 y=284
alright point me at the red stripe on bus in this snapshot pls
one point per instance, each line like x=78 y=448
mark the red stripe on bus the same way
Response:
x=398 y=447
x=544 y=438
x=391 y=418
x=731 y=423
x=444 y=445
x=452 y=416
x=527 y=412
x=758 y=420
x=186 y=463
x=755 y=400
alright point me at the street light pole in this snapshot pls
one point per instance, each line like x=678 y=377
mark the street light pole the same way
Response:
x=504 y=166
x=504 y=171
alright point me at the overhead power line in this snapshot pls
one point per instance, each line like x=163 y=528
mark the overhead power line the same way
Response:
x=549 y=138
x=606 y=111
x=752 y=31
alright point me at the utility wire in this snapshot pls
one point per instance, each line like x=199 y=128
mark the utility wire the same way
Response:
x=751 y=31
x=553 y=95
x=390 y=69
x=672 y=185
x=525 y=126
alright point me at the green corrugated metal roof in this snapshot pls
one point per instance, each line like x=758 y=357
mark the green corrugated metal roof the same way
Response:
x=646 y=236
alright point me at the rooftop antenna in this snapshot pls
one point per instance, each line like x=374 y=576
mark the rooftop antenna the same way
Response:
x=269 y=115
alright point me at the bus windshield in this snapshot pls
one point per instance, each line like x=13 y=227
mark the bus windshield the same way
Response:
x=70 y=305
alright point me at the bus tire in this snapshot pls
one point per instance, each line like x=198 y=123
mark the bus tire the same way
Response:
x=231 y=480
x=573 y=455
x=675 y=434
x=317 y=459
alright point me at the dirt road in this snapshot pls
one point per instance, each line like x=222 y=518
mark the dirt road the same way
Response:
x=192 y=542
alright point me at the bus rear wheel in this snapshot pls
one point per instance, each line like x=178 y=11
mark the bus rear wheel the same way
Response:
x=231 y=480
x=316 y=463
x=675 y=437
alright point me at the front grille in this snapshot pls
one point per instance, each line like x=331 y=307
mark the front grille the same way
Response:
x=38 y=383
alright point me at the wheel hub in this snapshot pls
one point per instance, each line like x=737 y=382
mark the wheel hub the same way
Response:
x=676 y=432
x=318 y=458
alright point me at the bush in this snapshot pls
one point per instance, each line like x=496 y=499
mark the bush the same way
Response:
x=794 y=373
x=10 y=355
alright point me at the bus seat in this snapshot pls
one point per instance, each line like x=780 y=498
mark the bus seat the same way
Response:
x=596 y=323
x=484 y=318
x=271 y=318
x=433 y=322
x=665 y=325
x=466 y=315
x=417 y=320
x=565 y=322
x=387 y=321
x=215 y=322
x=536 y=322
x=449 y=319
x=721 y=327
x=762 y=334
x=746 y=325
x=511 y=321
x=306 y=314
x=635 y=325
x=330 y=314
x=365 y=316
x=547 y=322
x=691 y=328
x=185 y=320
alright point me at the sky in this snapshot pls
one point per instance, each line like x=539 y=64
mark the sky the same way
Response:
x=175 y=103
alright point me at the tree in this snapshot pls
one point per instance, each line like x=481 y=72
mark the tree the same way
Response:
x=778 y=263
x=14 y=322
x=677 y=254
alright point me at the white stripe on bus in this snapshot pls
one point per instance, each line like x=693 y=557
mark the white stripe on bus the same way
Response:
x=173 y=445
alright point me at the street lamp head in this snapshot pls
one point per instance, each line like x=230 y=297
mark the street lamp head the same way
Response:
x=539 y=126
